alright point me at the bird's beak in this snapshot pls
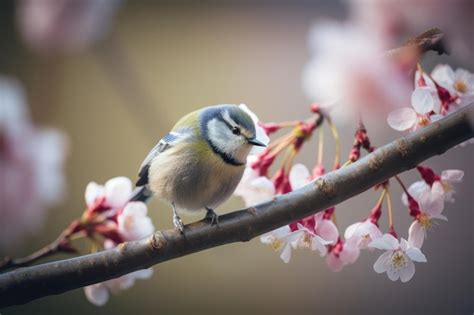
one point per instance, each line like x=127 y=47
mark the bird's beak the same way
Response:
x=254 y=141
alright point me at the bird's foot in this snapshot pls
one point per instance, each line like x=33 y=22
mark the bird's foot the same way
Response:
x=213 y=216
x=178 y=223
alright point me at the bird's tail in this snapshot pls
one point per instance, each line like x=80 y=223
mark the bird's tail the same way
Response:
x=141 y=194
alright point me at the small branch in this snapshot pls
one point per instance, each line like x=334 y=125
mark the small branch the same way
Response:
x=26 y=284
x=61 y=244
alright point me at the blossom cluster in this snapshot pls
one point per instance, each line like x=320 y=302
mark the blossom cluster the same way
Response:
x=112 y=217
x=31 y=166
x=434 y=96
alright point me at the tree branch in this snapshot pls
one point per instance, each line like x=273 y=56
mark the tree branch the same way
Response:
x=26 y=284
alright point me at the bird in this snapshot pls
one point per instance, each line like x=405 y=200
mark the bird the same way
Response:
x=200 y=162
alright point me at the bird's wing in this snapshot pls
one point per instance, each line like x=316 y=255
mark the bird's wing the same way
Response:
x=166 y=142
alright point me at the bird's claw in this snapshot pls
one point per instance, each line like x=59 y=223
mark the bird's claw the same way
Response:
x=213 y=216
x=178 y=223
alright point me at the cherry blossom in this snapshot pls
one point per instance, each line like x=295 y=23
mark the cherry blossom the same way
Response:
x=424 y=101
x=441 y=184
x=254 y=188
x=310 y=240
x=115 y=193
x=342 y=254
x=459 y=82
x=325 y=228
x=398 y=259
x=281 y=240
x=50 y=26
x=31 y=162
x=363 y=233
x=426 y=204
x=430 y=208
x=393 y=20
x=448 y=178
x=299 y=176
x=133 y=222
x=98 y=294
x=343 y=80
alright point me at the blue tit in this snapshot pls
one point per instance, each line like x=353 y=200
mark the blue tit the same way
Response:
x=200 y=162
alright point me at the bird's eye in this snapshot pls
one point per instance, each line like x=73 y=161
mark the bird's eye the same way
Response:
x=236 y=130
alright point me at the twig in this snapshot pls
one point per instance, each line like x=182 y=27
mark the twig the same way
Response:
x=26 y=284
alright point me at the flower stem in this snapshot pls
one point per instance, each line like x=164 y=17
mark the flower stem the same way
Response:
x=335 y=135
x=320 y=146
x=389 y=206
x=405 y=190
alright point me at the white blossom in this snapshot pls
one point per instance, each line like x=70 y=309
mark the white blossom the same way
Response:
x=253 y=188
x=133 y=221
x=50 y=26
x=424 y=101
x=31 y=166
x=363 y=233
x=281 y=241
x=398 y=259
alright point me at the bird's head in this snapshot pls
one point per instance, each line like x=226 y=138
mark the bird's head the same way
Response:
x=230 y=131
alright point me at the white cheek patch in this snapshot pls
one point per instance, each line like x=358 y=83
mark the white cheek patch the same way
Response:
x=222 y=138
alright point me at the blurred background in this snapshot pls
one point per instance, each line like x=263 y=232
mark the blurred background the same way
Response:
x=121 y=86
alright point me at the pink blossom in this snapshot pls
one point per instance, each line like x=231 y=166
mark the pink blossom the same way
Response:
x=254 y=188
x=344 y=80
x=442 y=184
x=363 y=233
x=393 y=20
x=31 y=162
x=425 y=102
x=299 y=176
x=281 y=241
x=398 y=259
x=310 y=240
x=325 y=228
x=459 y=83
x=115 y=193
x=49 y=26
x=98 y=294
x=429 y=203
x=133 y=221
x=342 y=254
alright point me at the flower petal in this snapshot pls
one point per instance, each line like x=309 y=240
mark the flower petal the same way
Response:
x=380 y=263
x=93 y=191
x=452 y=176
x=422 y=100
x=402 y=119
x=431 y=204
x=416 y=235
x=386 y=242
x=350 y=254
x=415 y=254
x=393 y=274
x=286 y=253
x=334 y=263
x=299 y=176
x=118 y=191
x=327 y=230
x=351 y=229
x=97 y=294
x=407 y=272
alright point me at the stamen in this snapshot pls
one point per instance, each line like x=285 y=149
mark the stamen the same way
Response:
x=460 y=86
